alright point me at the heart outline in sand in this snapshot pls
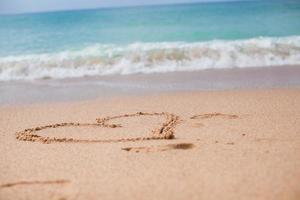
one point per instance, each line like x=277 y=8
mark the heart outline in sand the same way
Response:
x=165 y=131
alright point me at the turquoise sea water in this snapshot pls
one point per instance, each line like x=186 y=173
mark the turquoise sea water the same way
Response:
x=149 y=39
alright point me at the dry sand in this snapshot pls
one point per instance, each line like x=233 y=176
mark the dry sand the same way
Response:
x=203 y=145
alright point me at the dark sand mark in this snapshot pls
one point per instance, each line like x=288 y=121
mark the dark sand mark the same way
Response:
x=165 y=131
x=211 y=115
x=230 y=143
x=179 y=146
x=7 y=185
x=183 y=146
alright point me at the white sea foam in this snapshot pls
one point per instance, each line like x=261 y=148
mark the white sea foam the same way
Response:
x=153 y=57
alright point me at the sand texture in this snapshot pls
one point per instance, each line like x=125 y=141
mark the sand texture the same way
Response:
x=201 y=145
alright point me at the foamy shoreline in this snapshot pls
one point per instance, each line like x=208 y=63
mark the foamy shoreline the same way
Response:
x=146 y=58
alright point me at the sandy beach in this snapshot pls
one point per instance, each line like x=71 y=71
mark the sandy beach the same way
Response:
x=235 y=144
x=150 y=100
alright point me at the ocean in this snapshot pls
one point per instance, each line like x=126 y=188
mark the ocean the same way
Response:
x=149 y=39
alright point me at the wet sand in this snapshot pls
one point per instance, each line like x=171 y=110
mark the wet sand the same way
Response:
x=78 y=89
x=241 y=144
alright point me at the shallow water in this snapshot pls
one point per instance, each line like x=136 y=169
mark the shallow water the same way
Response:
x=168 y=38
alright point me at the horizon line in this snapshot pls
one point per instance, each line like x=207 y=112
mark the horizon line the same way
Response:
x=120 y=7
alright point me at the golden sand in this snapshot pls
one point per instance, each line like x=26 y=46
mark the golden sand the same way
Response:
x=203 y=145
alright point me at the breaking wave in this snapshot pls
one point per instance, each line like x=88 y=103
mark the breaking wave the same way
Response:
x=100 y=59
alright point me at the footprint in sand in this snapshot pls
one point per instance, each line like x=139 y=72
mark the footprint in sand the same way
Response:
x=179 y=146
x=25 y=183
x=164 y=131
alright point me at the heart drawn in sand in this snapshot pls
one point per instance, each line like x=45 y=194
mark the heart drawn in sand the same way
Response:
x=164 y=131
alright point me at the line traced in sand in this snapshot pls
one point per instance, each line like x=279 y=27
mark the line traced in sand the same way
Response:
x=34 y=183
x=211 y=115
